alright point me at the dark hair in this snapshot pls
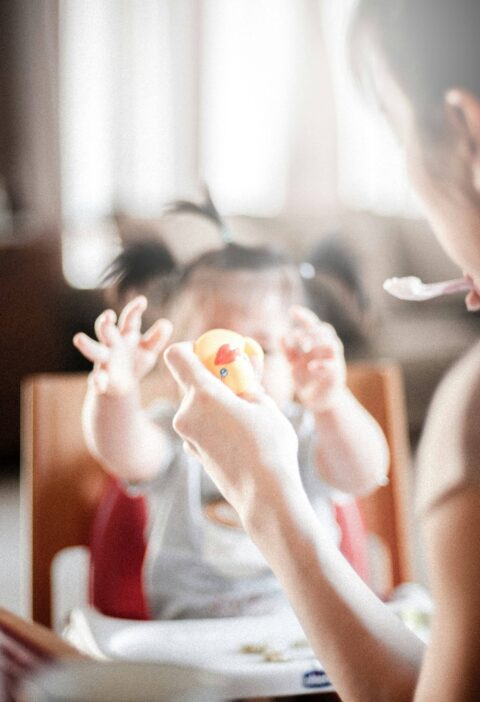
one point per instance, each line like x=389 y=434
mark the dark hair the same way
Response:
x=205 y=209
x=147 y=261
x=138 y=264
x=336 y=293
x=236 y=257
x=331 y=257
x=150 y=259
x=430 y=46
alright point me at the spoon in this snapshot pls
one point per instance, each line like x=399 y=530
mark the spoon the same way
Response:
x=412 y=288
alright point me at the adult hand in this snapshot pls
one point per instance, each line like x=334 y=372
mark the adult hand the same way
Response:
x=246 y=444
x=122 y=355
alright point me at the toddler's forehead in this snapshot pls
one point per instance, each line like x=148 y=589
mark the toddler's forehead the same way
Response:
x=244 y=286
x=252 y=304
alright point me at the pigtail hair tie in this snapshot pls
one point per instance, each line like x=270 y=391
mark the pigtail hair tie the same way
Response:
x=306 y=270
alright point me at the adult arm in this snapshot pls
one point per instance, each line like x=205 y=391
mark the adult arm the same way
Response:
x=249 y=449
x=449 y=499
x=452 y=539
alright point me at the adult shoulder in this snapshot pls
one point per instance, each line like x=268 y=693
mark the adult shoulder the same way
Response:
x=449 y=453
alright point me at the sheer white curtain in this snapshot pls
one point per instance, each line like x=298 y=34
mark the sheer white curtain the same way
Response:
x=117 y=106
x=268 y=123
x=250 y=61
x=284 y=128
x=117 y=122
x=371 y=168
x=160 y=95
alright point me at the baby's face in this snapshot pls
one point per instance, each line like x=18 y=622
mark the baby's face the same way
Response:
x=262 y=316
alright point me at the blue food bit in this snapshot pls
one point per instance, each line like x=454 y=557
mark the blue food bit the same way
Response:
x=223 y=372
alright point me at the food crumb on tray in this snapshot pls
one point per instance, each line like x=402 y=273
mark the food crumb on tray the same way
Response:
x=297 y=650
x=301 y=643
x=255 y=648
x=273 y=655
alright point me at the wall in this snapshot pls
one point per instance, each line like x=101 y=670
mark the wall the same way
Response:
x=38 y=315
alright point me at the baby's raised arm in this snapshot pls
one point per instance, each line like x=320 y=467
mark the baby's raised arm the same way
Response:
x=351 y=450
x=117 y=430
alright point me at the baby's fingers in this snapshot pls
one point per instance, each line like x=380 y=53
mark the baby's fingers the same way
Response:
x=156 y=338
x=327 y=370
x=320 y=366
x=91 y=349
x=307 y=321
x=303 y=317
x=289 y=349
x=131 y=316
x=106 y=328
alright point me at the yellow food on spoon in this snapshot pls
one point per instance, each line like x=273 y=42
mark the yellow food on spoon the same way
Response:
x=227 y=355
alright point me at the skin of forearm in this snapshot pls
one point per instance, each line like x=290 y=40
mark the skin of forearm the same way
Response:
x=367 y=652
x=351 y=453
x=121 y=437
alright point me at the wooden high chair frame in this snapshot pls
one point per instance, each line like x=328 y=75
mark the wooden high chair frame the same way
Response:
x=62 y=483
x=26 y=648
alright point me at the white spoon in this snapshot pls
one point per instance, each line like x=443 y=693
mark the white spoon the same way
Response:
x=412 y=288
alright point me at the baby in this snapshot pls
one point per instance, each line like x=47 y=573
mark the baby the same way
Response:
x=199 y=562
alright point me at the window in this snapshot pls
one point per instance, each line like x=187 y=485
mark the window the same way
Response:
x=248 y=83
x=117 y=123
x=371 y=168
x=160 y=95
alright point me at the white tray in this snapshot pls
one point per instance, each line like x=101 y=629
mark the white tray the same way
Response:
x=210 y=645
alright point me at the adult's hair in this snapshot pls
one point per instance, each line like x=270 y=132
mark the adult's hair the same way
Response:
x=430 y=46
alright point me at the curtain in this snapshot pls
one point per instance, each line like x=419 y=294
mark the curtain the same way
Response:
x=253 y=97
x=371 y=169
x=29 y=120
x=159 y=96
x=267 y=107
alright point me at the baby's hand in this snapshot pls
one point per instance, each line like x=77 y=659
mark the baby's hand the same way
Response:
x=122 y=355
x=316 y=356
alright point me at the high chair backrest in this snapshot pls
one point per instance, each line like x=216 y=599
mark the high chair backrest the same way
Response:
x=379 y=388
x=62 y=483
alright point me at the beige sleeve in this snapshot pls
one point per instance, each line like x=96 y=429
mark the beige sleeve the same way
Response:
x=449 y=452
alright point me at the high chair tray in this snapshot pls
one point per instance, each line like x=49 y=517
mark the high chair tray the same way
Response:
x=217 y=646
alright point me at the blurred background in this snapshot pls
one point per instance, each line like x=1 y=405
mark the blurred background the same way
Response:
x=111 y=108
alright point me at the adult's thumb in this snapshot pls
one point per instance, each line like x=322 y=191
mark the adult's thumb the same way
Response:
x=186 y=368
